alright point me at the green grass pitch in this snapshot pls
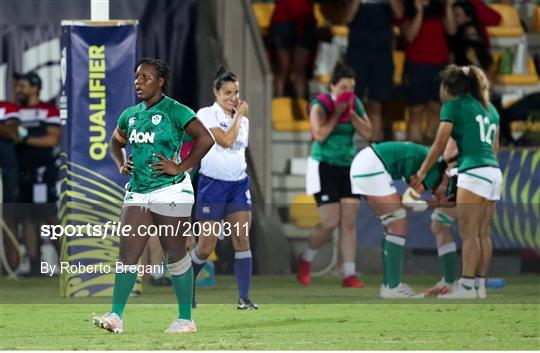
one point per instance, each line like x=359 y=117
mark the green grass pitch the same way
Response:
x=324 y=316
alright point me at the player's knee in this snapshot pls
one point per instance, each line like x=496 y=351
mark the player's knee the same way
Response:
x=348 y=225
x=330 y=223
x=395 y=222
x=128 y=259
x=204 y=250
x=440 y=219
x=180 y=266
x=241 y=243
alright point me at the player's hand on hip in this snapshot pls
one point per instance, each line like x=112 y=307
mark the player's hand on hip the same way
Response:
x=126 y=168
x=165 y=166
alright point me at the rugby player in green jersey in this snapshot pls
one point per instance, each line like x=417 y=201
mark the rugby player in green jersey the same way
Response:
x=372 y=175
x=159 y=192
x=469 y=118
x=335 y=117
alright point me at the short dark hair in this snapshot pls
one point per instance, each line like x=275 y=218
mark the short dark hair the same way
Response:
x=32 y=77
x=160 y=67
x=223 y=75
x=341 y=71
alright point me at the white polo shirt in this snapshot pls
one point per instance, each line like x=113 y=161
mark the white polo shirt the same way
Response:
x=221 y=163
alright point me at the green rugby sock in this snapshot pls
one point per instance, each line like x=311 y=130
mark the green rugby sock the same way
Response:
x=123 y=285
x=393 y=258
x=448 y=261
x=183 y=288
x=385 y=274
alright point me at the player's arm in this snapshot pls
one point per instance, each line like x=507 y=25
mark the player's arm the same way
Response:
x=117 y=151
x=322 y=126
x=449 y=20
x=49 y=140
x=202 y=143
x=441 y=139
x=227 y=138
x=411 y=28
x=397 y=8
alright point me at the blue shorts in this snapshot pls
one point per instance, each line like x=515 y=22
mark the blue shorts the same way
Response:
x=219 y=198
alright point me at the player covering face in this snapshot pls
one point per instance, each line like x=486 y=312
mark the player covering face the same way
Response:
x=159 y=190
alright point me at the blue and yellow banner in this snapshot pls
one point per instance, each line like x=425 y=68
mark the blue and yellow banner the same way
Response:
x=97 y=62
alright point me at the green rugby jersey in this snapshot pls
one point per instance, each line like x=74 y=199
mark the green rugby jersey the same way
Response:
x=338 y=148
x=156 y=129
x=474 y=131
x=403 y=159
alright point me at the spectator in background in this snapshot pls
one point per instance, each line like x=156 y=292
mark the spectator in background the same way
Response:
x=369 y=54
x=293 y=31
x=477 y=13
x=425 y=27
x=9 y=121
x=37 y=168
x=470 y=49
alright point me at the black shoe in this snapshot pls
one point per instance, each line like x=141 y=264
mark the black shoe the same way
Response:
x=194 y=303
x=246 y=304
x=161 y=281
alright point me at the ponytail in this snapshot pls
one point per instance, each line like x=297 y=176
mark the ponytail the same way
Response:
x=460 y=81
x=223 y=75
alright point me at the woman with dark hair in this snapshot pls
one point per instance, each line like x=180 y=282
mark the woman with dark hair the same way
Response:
x=478 y=13
x=223 y=187
x=334 y=117
x=470 y=49
x=426 y=24
x=473 y=123
x=159 y=192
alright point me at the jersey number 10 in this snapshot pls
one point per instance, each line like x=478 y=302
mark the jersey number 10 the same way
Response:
x=486 y=136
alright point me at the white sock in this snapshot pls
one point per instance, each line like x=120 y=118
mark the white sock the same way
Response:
x=479 y=281
x=156 y=275
x=242 y=254
x=349 y=269
x=467 y=282
x=195 y=258
x=446 y=249
x=309 y=254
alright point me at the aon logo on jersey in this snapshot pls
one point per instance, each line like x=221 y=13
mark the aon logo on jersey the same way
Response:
x=141 y=137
